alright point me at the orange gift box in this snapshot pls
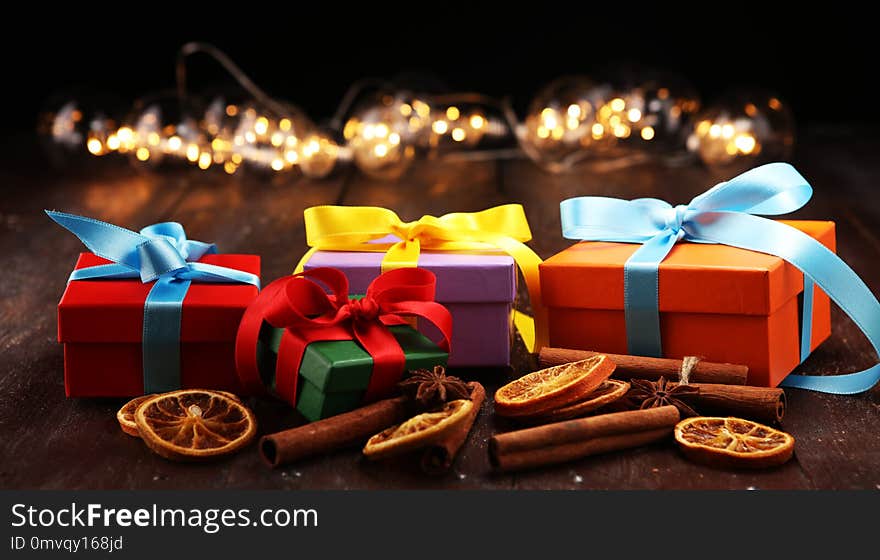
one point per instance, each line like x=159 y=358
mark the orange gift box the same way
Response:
x=720 y=303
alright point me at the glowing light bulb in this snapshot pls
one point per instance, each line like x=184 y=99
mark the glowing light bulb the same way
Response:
x=703 y=127
x=452 y=113
x=458 y=134
x=125 y=135
x=261 y=125
x=318 y=155
x=204 y=160
x=113 y=142
x=231 y=110
x=549 y=118
x=617 y=104
x=230 y=167
x=634 y=115
x=174 y=143
x=647 y=133
x=277 y=164
x=142 y=154
x=277 y=139
x=381 y=150
x=477 y=122
x=745 y=143
x=192 y=152
x=422 y=109
x=440 y=127
x=95 y=146
x=250 y=137
x=284 y=124
x=394 y=138
x=291 y=156
x=742 y=130
x=597 y=131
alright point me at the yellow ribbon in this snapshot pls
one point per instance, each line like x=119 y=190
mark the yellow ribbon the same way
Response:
x=504 y=228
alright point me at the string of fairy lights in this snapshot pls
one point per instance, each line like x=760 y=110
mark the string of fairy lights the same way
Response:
x=381 y=130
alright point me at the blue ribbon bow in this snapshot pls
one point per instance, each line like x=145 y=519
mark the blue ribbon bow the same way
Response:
x=725 y=214
x=160 y=253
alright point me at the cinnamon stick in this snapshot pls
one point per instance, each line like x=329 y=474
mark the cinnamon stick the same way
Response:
x=437 y=459
x=754 y=403
x=641 y=367
x=332 y=433
x=572 y=439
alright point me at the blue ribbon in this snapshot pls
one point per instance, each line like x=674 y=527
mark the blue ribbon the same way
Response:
x=725 y=214
x=162 y=254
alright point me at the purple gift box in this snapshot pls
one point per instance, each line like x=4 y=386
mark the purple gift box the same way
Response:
x=478 y=289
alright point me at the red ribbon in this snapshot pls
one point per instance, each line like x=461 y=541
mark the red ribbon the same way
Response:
x=309 y=314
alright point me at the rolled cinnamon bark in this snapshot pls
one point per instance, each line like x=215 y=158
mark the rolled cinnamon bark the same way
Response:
x=640 y=367
x=332 y=433
x=572 y=439
x=438 y=457
x=754 y=403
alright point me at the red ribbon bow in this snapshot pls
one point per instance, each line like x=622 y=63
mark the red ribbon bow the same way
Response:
x=309 y=314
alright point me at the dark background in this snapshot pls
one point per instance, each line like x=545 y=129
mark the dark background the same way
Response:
x=822 y=62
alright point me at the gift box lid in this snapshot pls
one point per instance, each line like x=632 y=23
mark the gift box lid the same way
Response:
x=461 y=277
x=695 y=277
x=113 y=310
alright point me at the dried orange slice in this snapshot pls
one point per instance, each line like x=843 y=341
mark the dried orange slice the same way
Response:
x=419 y=431
x=125 y=415
x=733 y=442
x=552 y=388
x=194 y=424
x=609 y=391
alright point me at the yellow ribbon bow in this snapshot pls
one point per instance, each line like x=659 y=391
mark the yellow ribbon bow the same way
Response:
x=504 y=228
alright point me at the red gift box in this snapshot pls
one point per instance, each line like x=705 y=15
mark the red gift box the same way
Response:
x=100 y=323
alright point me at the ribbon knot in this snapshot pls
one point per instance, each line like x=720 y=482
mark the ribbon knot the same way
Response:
x=729 y=214
x=406 y=231
x=675 y=219
x=308 y=313
x=365 y=309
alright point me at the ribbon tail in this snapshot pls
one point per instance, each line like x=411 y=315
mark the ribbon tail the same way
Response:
x=525 y=324
x=819 y=265
x=404 y=254
x=201 y=272
x=305 y=258
x=111 y=271
x=105 y=240
x=163 y=310
x=807 y=318
x=533 y=330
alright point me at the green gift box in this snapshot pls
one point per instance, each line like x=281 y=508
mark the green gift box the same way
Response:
x=334 y=375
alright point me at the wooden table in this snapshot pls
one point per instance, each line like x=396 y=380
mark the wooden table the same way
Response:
x=49 y=441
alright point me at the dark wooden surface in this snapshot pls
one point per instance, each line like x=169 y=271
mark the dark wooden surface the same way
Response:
x=47 y=441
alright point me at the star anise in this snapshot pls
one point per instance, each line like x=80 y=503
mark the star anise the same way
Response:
x=648 y=394
x=430 y=389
